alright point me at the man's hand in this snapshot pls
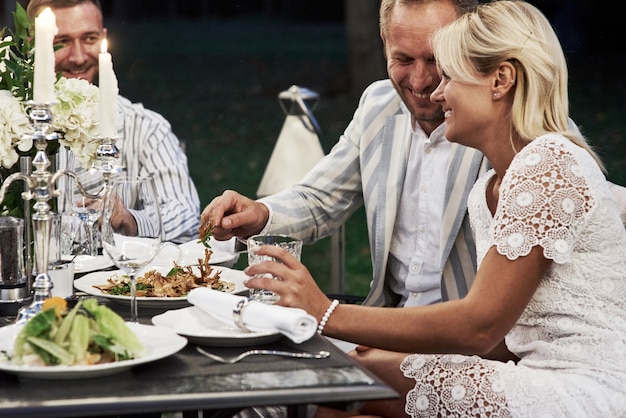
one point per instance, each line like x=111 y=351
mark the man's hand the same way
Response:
x=234 y=215
x=122 y=220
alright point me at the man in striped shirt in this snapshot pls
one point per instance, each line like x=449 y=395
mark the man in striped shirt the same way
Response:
x=147 y=144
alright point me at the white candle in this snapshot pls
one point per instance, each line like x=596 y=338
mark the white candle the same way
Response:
x=108 y=93
x=44 y=78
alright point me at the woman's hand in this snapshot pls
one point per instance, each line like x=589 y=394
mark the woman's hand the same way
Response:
x=295 y=285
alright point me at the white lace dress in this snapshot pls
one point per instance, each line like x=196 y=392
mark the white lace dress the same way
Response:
x=571 y=338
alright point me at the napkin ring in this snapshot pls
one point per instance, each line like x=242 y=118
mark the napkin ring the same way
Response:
x=238 y=314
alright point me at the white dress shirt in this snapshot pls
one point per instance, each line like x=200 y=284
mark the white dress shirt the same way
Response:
x=414 y=253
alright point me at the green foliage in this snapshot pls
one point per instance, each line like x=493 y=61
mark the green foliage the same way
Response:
x=16 y=76
x=17 y=73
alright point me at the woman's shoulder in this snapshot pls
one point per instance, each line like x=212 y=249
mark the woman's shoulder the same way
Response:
x=552 y=148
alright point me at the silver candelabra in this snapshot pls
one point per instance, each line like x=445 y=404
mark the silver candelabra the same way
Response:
x=40 y=186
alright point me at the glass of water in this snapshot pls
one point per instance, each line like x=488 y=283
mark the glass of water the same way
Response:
x=293 y=245
x=88 y=210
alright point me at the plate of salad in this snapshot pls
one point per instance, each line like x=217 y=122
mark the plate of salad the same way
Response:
x=87 y=341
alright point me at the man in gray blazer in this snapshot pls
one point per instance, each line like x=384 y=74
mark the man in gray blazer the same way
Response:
x=393 y=158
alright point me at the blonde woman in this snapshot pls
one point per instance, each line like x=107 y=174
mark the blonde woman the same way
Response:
x=550 y=243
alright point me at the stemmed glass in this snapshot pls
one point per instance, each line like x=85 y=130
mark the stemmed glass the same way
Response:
x=87 y=209
x=131 y=227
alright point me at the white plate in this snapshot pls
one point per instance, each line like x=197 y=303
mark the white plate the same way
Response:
x=189 y=254
x=193 y=250
x=88 y=281
x=202 y=328
x=87 y=263
x=159 y=342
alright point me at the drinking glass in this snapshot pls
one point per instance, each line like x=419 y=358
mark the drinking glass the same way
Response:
x=131 y=245
x=293 y=245
x=87 y=209
x=73 y=237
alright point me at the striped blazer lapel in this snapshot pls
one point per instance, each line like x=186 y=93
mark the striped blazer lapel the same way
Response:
x=458 y=252
x=389 y=178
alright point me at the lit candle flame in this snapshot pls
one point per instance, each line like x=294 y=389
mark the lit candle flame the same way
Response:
x=107 y=83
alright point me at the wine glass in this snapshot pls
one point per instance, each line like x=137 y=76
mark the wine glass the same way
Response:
x=87 y=208
x=131 y=227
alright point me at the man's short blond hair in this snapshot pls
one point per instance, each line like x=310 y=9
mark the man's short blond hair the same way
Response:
x=36 y=6
x=387 y=6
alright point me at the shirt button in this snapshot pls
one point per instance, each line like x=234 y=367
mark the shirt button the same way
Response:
x=427 y=150
x=421 y=229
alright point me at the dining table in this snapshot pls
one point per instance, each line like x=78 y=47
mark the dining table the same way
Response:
x=193 y=385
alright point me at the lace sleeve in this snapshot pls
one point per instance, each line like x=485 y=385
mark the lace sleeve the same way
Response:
x=544 y=196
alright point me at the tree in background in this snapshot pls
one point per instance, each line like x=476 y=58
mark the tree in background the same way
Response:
x=367 y=63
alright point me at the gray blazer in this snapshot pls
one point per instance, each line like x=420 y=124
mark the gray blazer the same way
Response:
x=367 y=167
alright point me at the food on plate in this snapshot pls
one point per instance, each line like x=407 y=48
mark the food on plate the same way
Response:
x=176 y=283
x=87 y=334
x=204 y=233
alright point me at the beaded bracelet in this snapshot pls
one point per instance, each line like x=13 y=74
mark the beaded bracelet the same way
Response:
x=327 y=314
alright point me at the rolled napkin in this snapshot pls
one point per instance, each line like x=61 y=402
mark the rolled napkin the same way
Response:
x=294 y=323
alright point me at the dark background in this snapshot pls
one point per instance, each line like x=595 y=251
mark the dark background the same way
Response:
x=214 y=69
x=583 y=24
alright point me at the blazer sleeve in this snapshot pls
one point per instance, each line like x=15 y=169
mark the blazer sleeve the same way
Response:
x=333 y=189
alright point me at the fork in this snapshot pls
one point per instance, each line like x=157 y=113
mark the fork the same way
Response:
x=235 y=359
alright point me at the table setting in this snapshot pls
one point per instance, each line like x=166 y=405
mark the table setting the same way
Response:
x=288 y=367
x=212 y=318
x=159 y=343
x=166 y=336
x=284 y=361
x=220 y=319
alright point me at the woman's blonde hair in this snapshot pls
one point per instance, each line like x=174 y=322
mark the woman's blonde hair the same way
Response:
x=513 y=30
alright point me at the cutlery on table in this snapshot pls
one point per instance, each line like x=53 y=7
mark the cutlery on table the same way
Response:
x=235 y=359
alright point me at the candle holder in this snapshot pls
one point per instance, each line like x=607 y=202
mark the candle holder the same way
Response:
x=107 y=159
x=40 y=185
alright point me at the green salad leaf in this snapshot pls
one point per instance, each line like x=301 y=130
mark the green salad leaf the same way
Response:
x=113 y=326
x=174 y=271
x=79 y=337
x=87 y=334
x=50 y=352
x=66 y=324
x=38 y=326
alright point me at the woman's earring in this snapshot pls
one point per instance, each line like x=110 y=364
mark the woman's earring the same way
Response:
x=496 y=94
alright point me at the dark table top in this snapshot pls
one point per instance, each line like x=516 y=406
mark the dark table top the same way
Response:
x=188 y=381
